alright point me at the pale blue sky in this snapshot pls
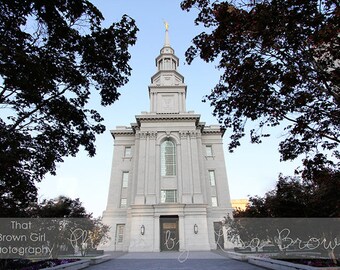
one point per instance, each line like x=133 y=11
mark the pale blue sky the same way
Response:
x=251 y=169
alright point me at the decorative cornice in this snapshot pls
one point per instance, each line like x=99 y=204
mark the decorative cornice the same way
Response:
x=142 y=134
x=218 y=131
x=192 y=134
x=198 y=134
x=211 y=131
x=122 y=132
x=165 y=117
x=183 y=134
x=153 y=134
x=145 y=134
x=167 y=73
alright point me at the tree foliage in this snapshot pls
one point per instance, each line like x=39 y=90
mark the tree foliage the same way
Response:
x=66 y=227
x=53 y=54
x=280 y=63
x=60 y=207
x=316 y=195
x=309 y=206
x=70 y=225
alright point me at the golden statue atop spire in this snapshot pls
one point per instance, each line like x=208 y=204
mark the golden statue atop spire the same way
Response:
x=166 y=25
x=167 y=40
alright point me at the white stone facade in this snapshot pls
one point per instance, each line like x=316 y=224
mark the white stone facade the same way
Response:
x=169 y=187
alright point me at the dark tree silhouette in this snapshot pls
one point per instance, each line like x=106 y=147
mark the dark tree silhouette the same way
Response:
x=280 y=64
x=53 y=55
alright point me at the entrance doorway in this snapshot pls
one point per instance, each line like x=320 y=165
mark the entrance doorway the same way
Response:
x=219 y=237
x=169 y=235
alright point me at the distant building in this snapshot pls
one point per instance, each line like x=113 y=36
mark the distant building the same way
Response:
x=239 y=203
x=169 y=187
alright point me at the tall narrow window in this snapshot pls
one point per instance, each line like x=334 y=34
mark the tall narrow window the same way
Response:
x=123 y=203
x=167 y=63
x=120 y=233
x=168 y=158
x=127 y=152
x=125 y=179
x=173 y=64
x=212 y=178
x=208 y=149
x=214 y=201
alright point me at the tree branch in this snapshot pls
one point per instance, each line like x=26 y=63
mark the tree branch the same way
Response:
x=2 y=92
x=21 y=119
x=322 y=134
x=7 y=96
x=325 y=82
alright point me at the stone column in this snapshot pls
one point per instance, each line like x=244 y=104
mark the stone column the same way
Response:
x=151 y=176
x=202 y=171
x=186 y=179
x=154 y=102
x=158 y=173
x=198 y=198
x=181 y=228
x=183 y=101
x=113 y=200
x=179 y=172
x=179 y=102
x=140 y=192
x=132 y=194
x=156 y=234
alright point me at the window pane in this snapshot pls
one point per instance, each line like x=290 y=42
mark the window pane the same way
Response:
x=127 y=152
x=125 y=179
x=123 y=203
x=168 y=196
x=163 y=196
x=208 y=150
x=120 y=233
x=214 y=201
x=212 y=178
x=168 y=159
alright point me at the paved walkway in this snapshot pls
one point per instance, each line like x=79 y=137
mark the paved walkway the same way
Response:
x=173 y=260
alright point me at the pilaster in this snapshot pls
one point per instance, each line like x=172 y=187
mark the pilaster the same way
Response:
x=186 y=178
x=198 y=198
x=202 y=171
x=140 y=192
x=151 y=176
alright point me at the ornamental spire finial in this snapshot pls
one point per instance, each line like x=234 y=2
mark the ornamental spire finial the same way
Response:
x=167 y=40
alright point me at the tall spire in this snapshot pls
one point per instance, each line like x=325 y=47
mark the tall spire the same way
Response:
x=167 y=40
x=167 y=91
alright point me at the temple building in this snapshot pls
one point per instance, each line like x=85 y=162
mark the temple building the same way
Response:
x=169 y=187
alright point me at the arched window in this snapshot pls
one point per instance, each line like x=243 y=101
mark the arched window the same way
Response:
x=168 y=158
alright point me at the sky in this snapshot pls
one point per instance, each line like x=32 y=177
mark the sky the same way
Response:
x=251 y=169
